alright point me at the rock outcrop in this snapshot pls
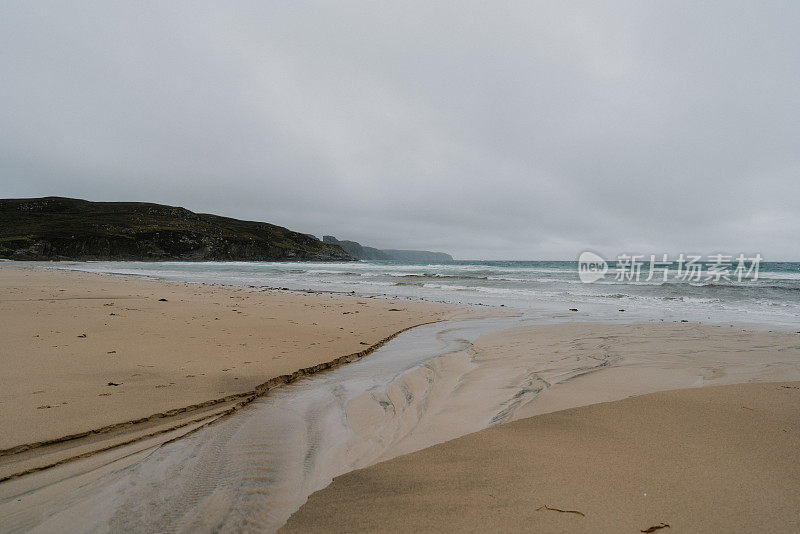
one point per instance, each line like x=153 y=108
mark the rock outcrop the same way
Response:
x=55 y=228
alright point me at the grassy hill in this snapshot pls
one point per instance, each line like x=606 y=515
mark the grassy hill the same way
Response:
x=55 y=228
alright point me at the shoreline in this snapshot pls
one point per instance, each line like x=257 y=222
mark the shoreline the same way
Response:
x=538 y=287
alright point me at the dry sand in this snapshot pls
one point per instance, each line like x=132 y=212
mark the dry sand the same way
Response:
x=716 y=459
x=82 y=351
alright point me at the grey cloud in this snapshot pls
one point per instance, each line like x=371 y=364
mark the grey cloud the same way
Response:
x=489 y=130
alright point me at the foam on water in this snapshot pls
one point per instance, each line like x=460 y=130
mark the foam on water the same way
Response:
x=542 y=285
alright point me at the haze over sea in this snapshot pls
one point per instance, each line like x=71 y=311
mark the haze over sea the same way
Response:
x=546 y=286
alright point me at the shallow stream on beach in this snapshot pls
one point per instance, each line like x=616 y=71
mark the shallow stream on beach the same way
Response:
x=252 y=470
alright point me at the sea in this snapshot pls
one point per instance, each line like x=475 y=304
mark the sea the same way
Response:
x=770 y=295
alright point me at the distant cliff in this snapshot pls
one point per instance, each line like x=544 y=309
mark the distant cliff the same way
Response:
x=357 y=250
x=55 y=228
x=418 y=256
x=361 y=252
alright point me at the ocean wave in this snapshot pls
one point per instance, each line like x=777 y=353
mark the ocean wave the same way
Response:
x=324 y=271
x=772 y=295
x=744 y=286
x=447 y=286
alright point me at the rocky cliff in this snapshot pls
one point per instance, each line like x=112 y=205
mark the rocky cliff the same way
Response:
x=361 y=252
x=418 y=256
x=55 y=228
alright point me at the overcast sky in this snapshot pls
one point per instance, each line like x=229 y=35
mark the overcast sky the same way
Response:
x=490 y=130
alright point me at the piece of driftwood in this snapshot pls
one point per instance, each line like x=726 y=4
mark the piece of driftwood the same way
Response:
x=545 y=507
x=656 y=527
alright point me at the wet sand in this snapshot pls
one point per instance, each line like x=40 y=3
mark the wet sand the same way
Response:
x=715 y=459
x=84 y=351
x=520 y=372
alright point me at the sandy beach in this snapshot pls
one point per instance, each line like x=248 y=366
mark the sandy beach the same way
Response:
x=409 y=410
x=85 y=351
x=716 y=459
